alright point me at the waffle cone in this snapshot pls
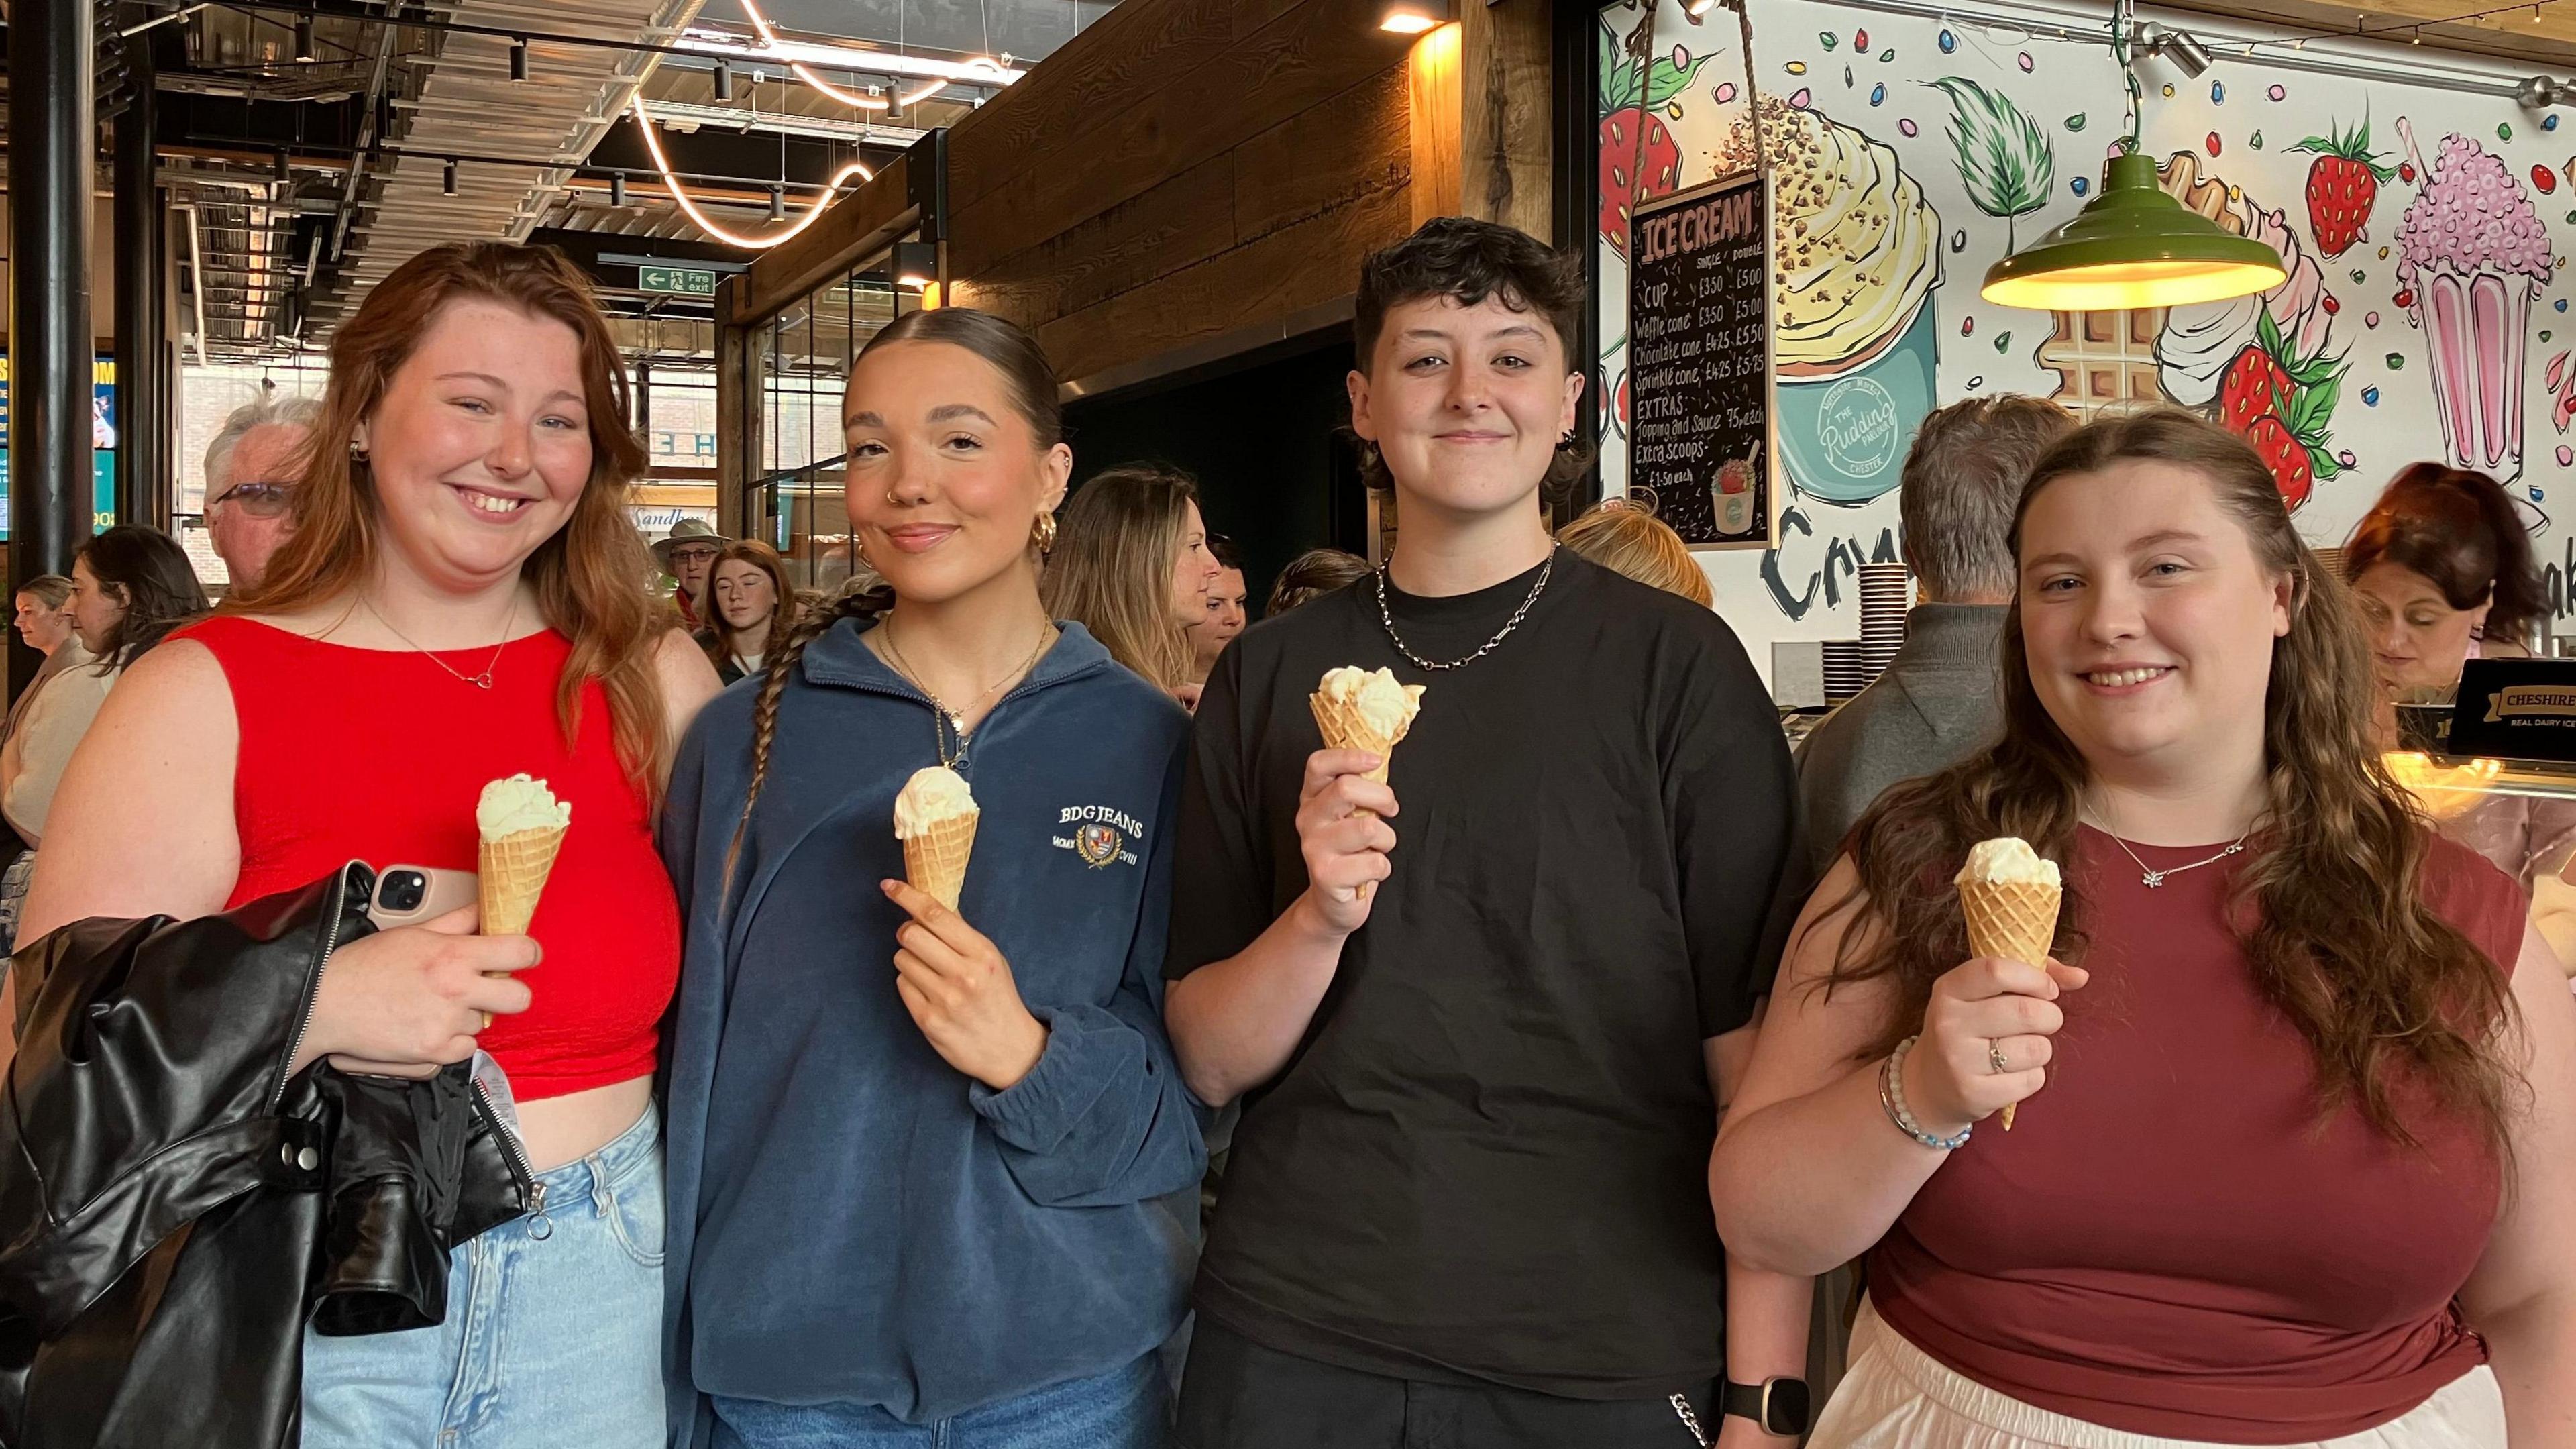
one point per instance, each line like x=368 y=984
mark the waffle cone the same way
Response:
x=1345 y=729
x=2011 y=921
x=935 y=860
x=511 y=876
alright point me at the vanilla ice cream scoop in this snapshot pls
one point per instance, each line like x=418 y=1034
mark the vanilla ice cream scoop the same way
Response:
x=519 y=804
x=1385 y=706
x=934 y=794
x=2007 y=858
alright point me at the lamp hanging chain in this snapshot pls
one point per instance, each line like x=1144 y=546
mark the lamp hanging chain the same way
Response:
x=2124 y=14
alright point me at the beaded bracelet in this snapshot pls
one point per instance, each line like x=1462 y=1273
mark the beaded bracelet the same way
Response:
x=1891 y=1096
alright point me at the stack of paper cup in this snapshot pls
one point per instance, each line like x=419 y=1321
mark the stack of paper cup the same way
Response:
x=1844 y=676
x=1882 y=616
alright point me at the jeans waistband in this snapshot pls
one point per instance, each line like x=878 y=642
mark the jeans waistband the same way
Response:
x=612 y=1163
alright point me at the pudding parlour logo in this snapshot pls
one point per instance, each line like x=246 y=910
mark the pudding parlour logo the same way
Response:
x=1857 y=425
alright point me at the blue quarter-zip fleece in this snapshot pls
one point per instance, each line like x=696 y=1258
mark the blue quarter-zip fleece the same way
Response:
x=852 y=1219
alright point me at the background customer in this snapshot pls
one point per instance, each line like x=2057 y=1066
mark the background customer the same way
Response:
x=1131 y=565
x=1311 y=575
x=1624 y=538
x=754 y=609
x=1222 y=618
x=688 y=555
x=252 y=468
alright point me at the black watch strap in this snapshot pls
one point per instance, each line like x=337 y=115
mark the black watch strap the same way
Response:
x=1778 y=1405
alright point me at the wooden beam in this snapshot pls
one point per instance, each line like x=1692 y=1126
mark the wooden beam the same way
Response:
x=1186 y=219
x=1437 y=120
x=737 y=390
x=1358 y=142
x=1313 y=52
x=859 y=224
x=1506 y=154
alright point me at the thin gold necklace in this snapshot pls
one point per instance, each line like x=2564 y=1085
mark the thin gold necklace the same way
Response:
x=947 y=721
x=2152 y=877
x=479 y=681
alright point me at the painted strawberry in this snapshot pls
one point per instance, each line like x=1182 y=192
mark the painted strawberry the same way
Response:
x=2253 y=389
x=2293 y=467
x=2283 y=403
x=2343 y=186
x=1640 y=160
x=1655 y=157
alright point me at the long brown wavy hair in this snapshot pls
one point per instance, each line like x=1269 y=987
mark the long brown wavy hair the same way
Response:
x=587 y=578
x=1111 y=571
x=2328 y=906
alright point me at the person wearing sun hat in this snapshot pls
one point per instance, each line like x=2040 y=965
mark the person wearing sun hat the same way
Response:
x=688 y=554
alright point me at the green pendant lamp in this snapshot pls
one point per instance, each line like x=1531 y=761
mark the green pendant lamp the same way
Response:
x=2133 y=246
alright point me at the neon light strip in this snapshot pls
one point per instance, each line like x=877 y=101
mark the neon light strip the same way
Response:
x=932 y=87
x=814 y=213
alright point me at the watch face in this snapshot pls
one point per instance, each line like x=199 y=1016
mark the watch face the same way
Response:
x=1784 y=1406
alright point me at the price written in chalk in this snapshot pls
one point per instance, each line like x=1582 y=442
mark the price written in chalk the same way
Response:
x=1699 y=382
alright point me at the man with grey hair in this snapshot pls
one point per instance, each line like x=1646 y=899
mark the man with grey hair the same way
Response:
x=1938 y=699
x=252 y=468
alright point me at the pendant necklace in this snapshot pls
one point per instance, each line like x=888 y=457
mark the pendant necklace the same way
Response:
x=479 y=681
x=946 y=721
x=2149 y=875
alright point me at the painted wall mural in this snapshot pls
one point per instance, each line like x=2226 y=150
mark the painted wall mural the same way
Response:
x=2424 y=229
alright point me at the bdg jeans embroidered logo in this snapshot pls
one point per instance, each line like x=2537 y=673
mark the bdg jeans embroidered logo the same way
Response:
x=1102 y=835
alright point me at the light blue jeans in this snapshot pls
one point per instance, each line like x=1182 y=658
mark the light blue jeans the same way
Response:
x=553 y=1334
x=1127 y=1408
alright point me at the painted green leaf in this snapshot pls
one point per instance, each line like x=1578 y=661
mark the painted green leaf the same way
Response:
x=1664 y=80
x=2005 y=159
x=2076 y=122
x=1619 y=74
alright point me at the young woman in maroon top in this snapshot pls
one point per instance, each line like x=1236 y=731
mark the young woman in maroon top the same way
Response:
x=2306 y=1158
x=460 y=601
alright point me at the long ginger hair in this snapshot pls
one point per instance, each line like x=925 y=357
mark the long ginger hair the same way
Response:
x=586 y=577
x=2329 y=905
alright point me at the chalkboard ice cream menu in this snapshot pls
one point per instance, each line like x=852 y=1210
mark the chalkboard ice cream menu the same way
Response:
x=1703 y=449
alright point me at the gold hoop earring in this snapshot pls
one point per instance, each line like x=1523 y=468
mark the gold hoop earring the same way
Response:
x=1042 y=533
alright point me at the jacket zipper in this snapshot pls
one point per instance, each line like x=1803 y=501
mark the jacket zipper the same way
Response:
x=312 y=989
x=540 y=1227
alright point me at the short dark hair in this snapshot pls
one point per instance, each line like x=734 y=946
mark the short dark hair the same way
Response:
x=1229 y=554
x=1961 y=483
x=1468 y=260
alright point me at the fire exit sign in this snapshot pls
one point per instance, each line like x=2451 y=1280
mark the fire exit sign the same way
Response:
x=675 y=281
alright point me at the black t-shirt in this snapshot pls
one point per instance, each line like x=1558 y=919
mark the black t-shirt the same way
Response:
x=1488 y=1160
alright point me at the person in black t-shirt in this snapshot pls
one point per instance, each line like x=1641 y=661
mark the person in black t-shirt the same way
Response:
x=1482 y=1015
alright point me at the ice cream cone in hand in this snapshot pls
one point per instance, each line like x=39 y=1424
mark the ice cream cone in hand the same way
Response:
x=1360 y=710
x=521 y=826
x=934 y=817
x=2010 y=897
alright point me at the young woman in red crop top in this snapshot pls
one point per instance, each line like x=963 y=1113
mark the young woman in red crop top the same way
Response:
x=2304 y=1168
x=462 y=600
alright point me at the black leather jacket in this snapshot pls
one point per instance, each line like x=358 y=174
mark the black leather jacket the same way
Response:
x=174 y=1209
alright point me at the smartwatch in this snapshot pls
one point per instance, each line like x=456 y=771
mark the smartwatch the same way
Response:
x=1778 y=1405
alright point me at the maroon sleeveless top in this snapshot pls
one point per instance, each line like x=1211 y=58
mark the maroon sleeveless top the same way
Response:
x=380 y=755
x=2166 y=1244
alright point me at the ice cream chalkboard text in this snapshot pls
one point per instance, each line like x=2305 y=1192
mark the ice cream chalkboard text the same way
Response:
x=1700 y=431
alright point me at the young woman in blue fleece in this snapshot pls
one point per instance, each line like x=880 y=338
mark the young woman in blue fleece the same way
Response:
x=933 y=1173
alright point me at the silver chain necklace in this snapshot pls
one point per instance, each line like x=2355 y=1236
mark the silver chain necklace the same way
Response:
x=1387 y=618
x=954 y=720
x=479 y=681
x=2153 y=877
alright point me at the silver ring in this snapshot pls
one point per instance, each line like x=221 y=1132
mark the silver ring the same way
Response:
x=1995 y=1057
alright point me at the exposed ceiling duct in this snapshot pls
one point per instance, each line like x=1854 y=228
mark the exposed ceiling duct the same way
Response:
x=467 y=104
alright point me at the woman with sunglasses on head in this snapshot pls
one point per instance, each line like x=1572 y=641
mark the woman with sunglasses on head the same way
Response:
x=934 y=1174
x=457 y=605
x=2304 y=1171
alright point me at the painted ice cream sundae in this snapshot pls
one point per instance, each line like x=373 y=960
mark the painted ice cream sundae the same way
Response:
x=2472 y=258
x=1857 y=256
x=1732 y=497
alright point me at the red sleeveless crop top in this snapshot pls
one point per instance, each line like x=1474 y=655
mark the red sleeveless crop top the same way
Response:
x=376 y=755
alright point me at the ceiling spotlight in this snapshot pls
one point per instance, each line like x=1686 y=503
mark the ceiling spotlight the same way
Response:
x=724 y=80
x=278 y=164
x=518 y=60
x=1412 y=17
x=447 y=182
x=2188 y=55
x=777 y=202
x=304 y=38
x=2541 y=92
x=617 y=188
